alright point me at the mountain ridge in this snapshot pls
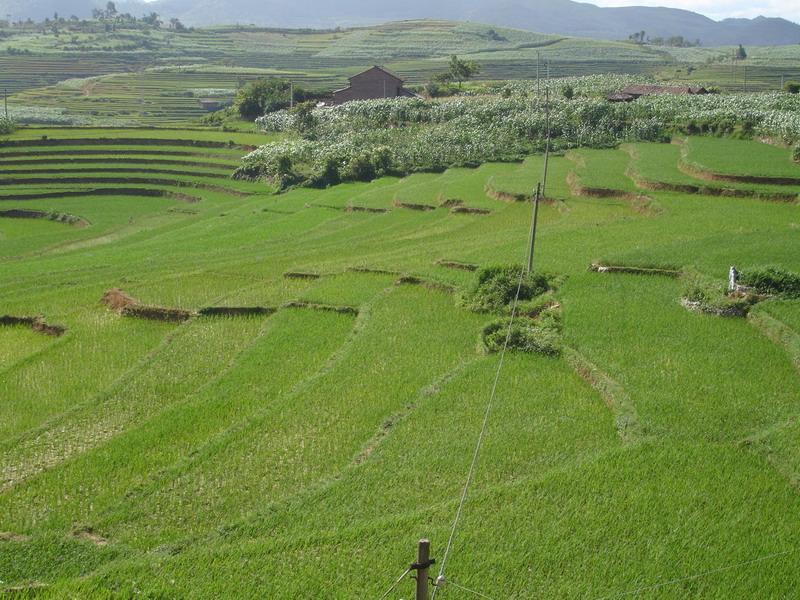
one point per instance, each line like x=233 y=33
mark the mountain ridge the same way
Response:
x=561 y=17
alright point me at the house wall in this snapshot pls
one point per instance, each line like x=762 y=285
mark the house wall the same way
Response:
x=370 y=86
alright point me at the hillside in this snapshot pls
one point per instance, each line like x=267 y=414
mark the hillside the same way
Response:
x=563 y=17
x=286 y=393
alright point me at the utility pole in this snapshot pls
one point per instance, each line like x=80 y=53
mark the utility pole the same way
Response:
x=745 y=78
x=424 y=562
x=532 y=240
x=547 y=143
x=538 y=71
x=291 y=94
x=783 y=81
x=5 y=100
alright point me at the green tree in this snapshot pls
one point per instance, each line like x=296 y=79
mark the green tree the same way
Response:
x=267 y=95
x=568 y=92
x=741 y=53
x=463 y=70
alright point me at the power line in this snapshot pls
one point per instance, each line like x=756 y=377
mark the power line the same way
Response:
x=396 y=583
x=466 y=589
x=487 y=413
x=697 y=576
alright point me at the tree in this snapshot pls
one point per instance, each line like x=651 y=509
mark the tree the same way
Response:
x=463 y=70
x=263 y=96
x=741 y=53
x=175 y=23
x=111 y=10
x=568 y=92
x=152 y=19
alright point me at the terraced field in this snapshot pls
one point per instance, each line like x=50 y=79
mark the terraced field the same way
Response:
x=247 y=385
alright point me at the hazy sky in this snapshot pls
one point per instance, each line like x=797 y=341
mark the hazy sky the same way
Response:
x=720 y=9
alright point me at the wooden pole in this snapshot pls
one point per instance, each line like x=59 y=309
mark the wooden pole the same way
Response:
x=534 y=223
x=538 y=71
x=5 y=100
x=422 y=565
x=291 y=94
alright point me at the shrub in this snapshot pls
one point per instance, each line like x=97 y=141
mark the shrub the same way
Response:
x=495 y=287
x=792 y=87
x=773 y=281
x=796 y=153
x=525 y=336
x=7 y=126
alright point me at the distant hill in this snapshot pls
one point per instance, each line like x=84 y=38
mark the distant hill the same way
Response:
x=564 y=17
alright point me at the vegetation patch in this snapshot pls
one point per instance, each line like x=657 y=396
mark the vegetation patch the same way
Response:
x=710 y=296
x=772 y=281
x=494 y=288
x=521 y=335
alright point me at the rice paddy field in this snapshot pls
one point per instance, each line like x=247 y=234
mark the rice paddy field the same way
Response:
x=211 y=390
x=157 y=77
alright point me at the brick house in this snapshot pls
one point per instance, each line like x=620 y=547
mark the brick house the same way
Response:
x=373 y=84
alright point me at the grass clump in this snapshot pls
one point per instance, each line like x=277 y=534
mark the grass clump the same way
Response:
x=796 y=153
x=495 y=288
x=772 y=281
x=526 y=335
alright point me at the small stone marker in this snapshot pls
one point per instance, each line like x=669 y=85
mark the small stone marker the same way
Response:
x=733 y=280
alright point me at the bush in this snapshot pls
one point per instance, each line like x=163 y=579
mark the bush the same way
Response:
x=495 y=287
x=7 y=126
x=792 y=87
x=525 y=336
x=796 y=153
x=772 y=281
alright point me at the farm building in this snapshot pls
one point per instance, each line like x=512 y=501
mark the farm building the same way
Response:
x=372 y=84
x=633 y=92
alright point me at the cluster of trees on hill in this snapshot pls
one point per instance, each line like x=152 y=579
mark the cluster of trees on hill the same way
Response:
x=676 y=41
x=103 y=19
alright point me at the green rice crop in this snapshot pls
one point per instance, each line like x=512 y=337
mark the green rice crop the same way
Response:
x=200 y=458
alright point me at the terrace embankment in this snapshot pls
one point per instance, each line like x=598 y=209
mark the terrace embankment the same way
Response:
x=37 y=324
x=19 y=213
x=664 y=272
x=141 y=192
